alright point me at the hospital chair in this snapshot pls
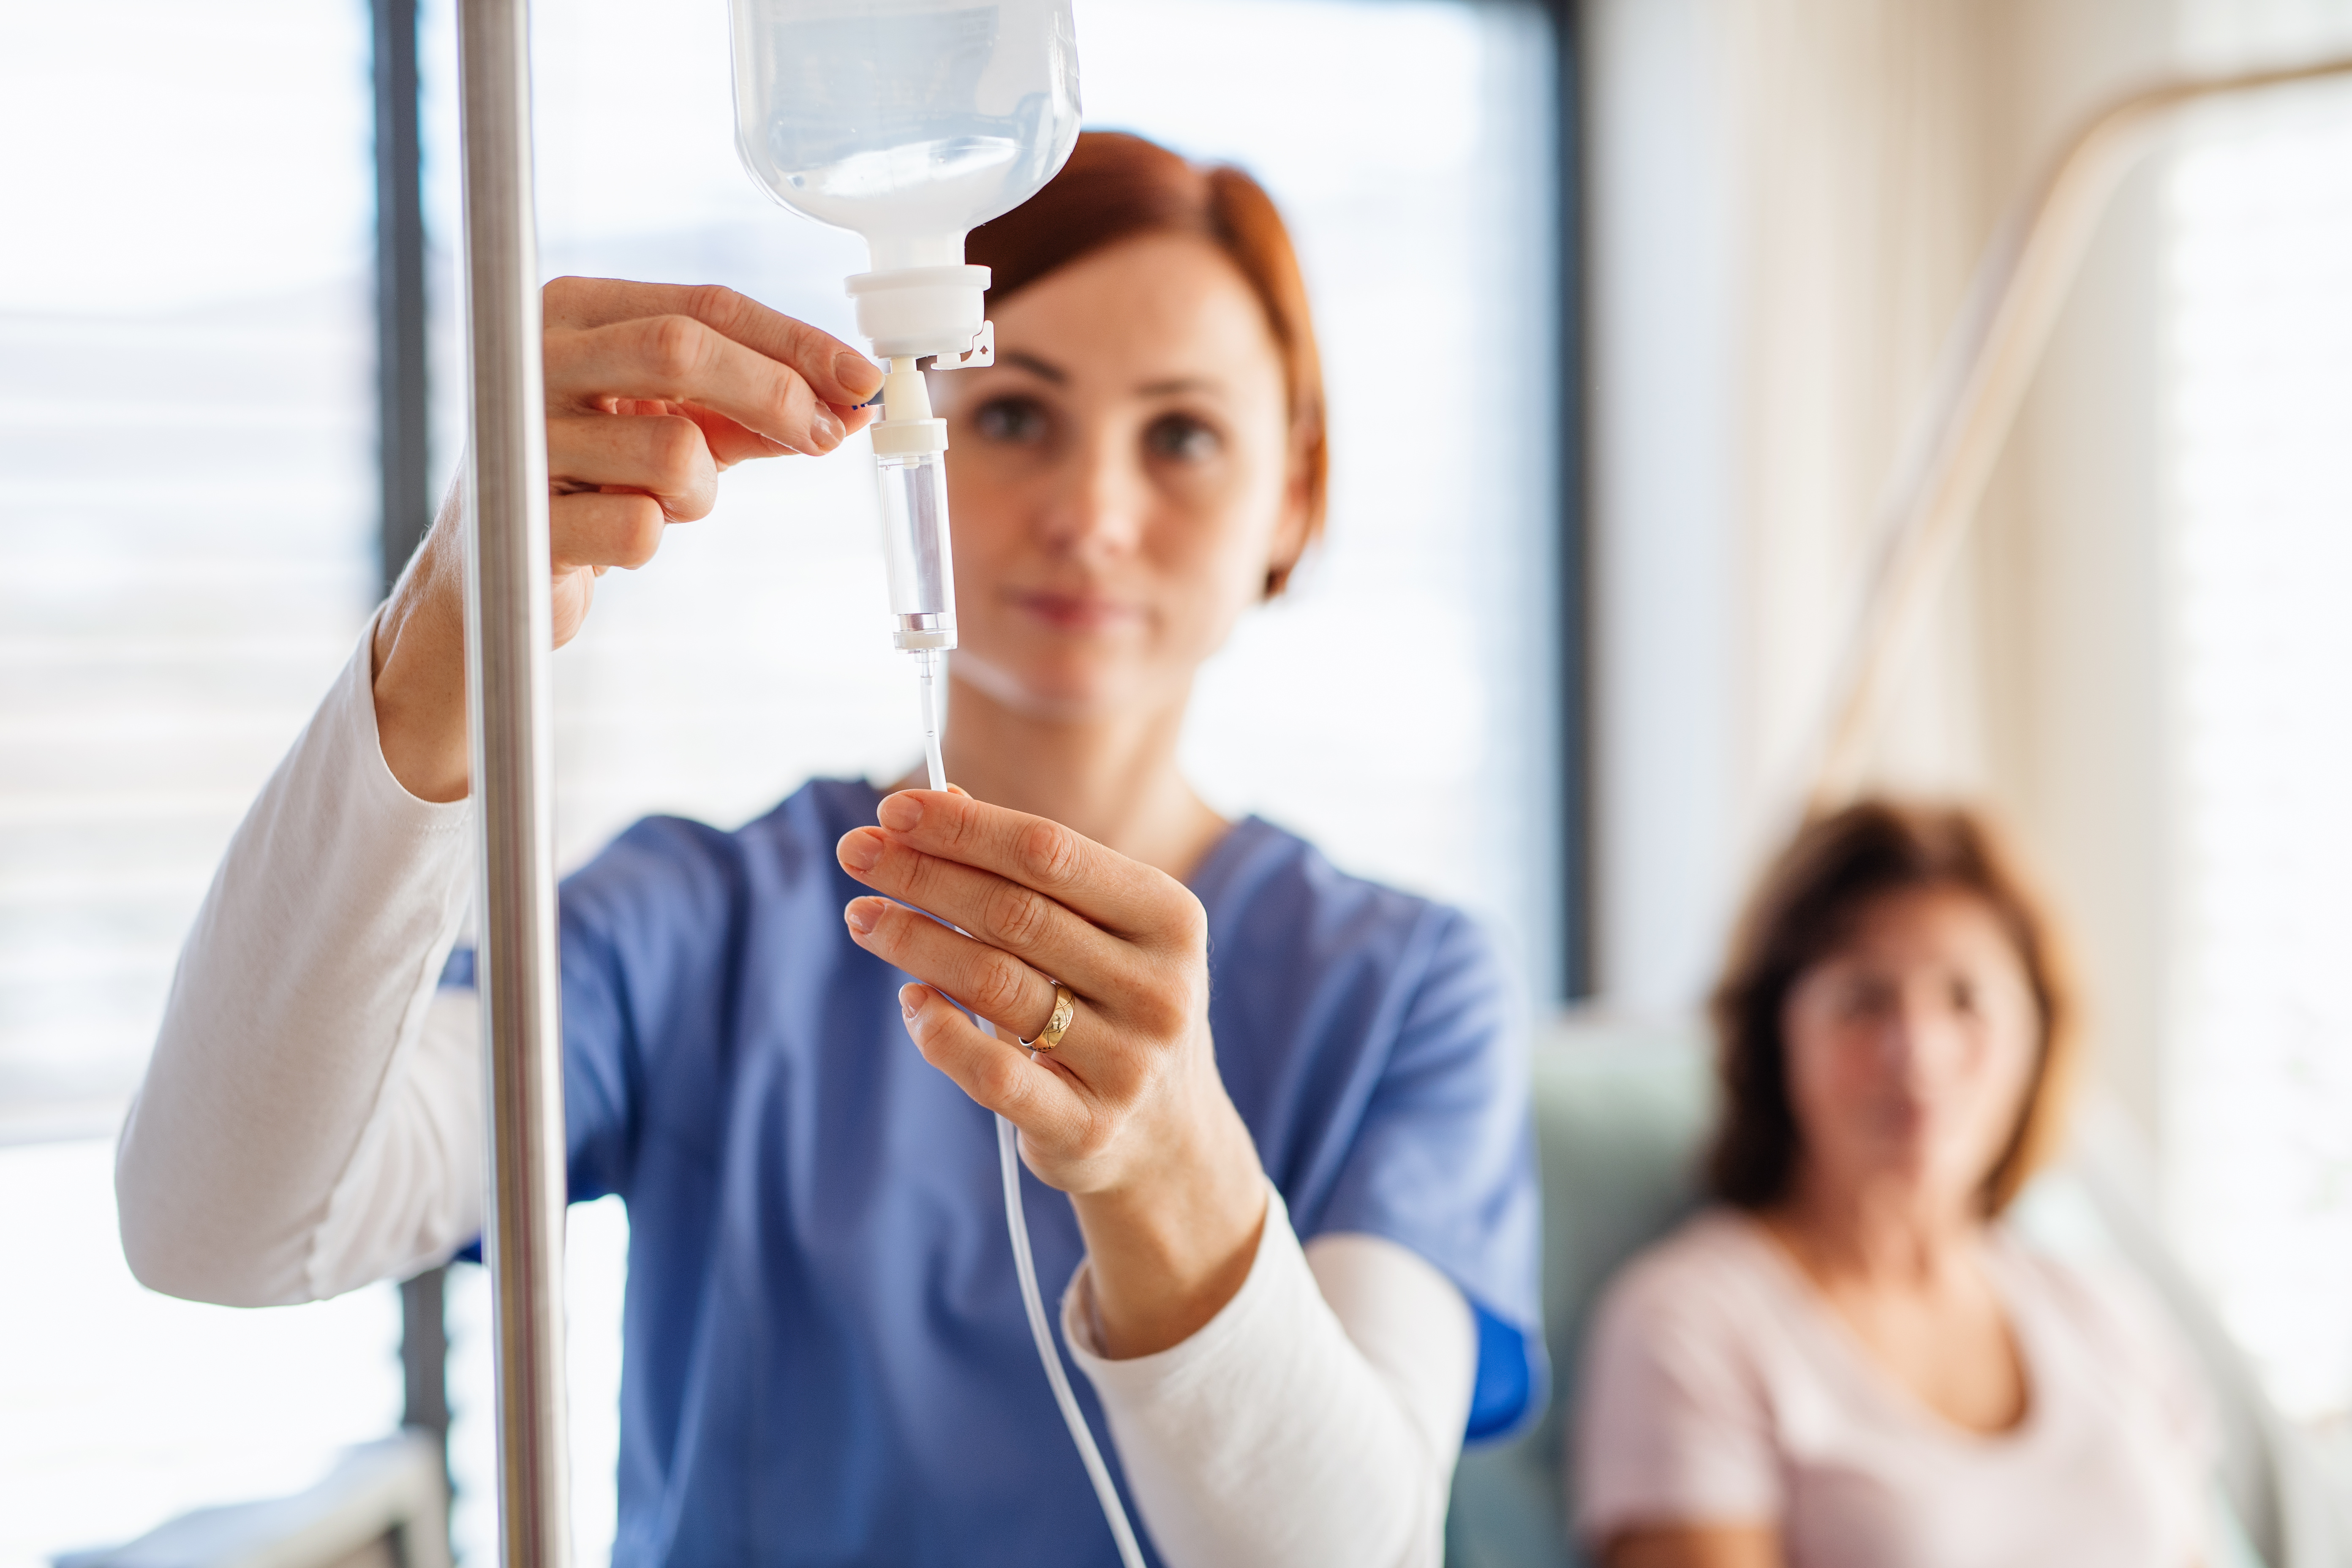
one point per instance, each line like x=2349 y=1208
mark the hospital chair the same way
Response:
x=383 y=1506
x=1621 y=1109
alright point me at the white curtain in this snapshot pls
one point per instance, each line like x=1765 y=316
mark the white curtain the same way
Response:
x=1868 y=158
x=1789 y=199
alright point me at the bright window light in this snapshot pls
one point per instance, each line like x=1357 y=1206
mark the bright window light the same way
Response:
x=2259 y=1120
x=187 y=550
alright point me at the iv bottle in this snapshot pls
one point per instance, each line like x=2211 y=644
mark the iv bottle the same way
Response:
x=911 y=123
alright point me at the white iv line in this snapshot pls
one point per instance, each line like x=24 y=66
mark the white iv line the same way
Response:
x=1016 y=1219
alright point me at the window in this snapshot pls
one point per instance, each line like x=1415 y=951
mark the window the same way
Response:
x=2258 y=1140
x=187 y=553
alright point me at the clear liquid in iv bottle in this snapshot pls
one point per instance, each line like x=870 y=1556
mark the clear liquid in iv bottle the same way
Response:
x=907 y=121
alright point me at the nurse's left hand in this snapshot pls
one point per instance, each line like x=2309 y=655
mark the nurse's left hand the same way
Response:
x=1127 y=1115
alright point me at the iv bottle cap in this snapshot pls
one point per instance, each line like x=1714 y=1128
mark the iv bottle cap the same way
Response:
x=920 y=311
x=909 y=437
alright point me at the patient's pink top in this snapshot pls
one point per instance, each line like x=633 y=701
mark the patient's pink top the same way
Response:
x=1719 y=1388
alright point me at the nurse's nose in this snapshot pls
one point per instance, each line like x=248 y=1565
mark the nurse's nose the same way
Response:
x=1097 y=509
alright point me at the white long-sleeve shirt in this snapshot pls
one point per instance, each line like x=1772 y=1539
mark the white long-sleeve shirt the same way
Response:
x=312 y=1122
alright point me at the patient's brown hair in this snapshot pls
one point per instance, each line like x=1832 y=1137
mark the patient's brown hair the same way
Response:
x=1803 y=911
x=1115 y=187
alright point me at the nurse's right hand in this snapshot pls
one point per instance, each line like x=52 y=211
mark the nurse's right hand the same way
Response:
x=652 y=390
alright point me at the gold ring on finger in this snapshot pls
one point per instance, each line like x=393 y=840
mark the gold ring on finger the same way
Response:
x=1065 y=1008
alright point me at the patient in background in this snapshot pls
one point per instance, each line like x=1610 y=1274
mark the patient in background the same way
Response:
x=1846 y=1361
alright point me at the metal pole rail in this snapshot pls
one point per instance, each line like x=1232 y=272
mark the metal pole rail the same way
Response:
x=509 y=627
x=1987 y=366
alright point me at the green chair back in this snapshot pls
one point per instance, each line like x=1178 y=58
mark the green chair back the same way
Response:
x=1619 y=1111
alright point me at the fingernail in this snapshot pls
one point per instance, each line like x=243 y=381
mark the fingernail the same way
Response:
x=860 y=850
x=910 y=1002
x=899 y=813
x=826 y=428
x=862 y=913
x=856 y=373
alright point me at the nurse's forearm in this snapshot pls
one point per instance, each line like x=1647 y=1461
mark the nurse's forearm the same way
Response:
x=419 y=682
x=1314 y=1420
x=300 y=1129
x=1169 y=1251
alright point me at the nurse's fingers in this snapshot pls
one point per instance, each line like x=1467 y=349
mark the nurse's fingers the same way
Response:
x=837 y=373
x=679 y=359
x=1108 y=888
x=731 y=443
x=1000 y=913
x=599 y=530
x=993 y=984
x=664 y=456
x=1037 y=1094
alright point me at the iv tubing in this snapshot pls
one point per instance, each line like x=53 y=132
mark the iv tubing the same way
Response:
x=1016 y=1219
x=1008 y=1158
x=928 y=661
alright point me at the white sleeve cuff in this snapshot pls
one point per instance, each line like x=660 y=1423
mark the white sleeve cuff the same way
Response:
x=1268 y=1436
x=1254 y=1308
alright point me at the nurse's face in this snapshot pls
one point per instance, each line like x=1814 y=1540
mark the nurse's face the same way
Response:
x=1120 y=481
x=1911 y=1049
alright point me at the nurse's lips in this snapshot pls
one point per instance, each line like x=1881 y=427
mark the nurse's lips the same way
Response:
x=1074 y=611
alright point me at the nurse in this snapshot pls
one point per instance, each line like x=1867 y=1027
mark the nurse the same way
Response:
x=1286 y=1128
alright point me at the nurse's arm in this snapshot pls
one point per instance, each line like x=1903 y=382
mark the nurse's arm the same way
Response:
x=1314 y=1421
x=310 y=1120
x=1272 y=1406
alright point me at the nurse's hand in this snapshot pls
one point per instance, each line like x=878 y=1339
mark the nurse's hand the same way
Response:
x=1128 y=1114
x=652 y=390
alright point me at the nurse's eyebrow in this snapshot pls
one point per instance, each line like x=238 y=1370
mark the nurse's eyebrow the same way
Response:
x=1180 y=384
x=1044 y=370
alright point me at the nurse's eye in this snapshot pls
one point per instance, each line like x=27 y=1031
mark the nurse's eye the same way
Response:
x=1181 y=438
x=1012 y=421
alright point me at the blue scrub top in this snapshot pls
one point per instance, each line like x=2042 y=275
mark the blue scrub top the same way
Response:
x=827 y=1360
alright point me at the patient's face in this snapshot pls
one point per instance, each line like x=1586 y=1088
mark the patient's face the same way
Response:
x=1910 y=1049
x=1120 y=480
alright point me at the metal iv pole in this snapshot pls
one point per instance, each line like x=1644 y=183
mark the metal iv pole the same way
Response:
x=509 y=628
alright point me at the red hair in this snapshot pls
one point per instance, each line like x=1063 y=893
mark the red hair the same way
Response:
x=1117 y=186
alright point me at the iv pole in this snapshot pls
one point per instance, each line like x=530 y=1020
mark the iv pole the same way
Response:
x=1989 y=362
x=509 y=628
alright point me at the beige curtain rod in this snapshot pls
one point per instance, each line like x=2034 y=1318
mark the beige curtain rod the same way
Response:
x=1987 y=364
